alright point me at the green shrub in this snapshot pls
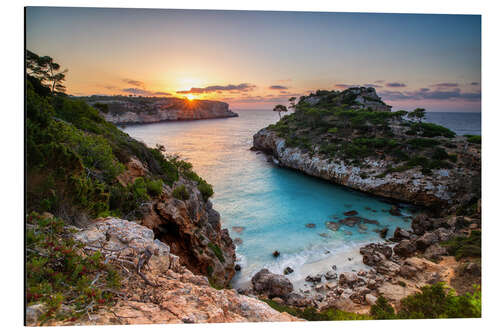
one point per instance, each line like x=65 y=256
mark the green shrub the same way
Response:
x=422 y=143
x=206 y=190
x=217 y=251
x=382 y=309
x=461 y=247
x=154 y=187
x=438 y=301
x=311 y=314
x=431 y=130
x=180 y=192
x=434 y=301
x=57 y=273
x=473 y=138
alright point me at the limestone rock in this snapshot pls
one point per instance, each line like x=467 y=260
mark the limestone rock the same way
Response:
x=272 y=285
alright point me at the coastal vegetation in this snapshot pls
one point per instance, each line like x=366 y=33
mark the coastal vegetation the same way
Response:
x=356 y=124
x=58 y=271
x=74 y=157
x=74 y=163
x=432 y=301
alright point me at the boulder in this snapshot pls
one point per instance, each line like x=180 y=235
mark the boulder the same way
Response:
x=288 y=270
x=405 y=248
x=314 y=278
x=370 y=299
x=330 y=275
x=387 y=267
x=295 y=299
x=333 y=226
x=351 y=213
x=426 y=240
x=348 y=279
x=351 y=221
x=420 y=224
x=272 y=285
x=443 y=234
x=400 y=234
x=435 y=252
x=408 y=271
x=374 y=253
x=383 y=232
x=276 y=254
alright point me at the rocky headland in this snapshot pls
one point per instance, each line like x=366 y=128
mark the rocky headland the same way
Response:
x=143 y=110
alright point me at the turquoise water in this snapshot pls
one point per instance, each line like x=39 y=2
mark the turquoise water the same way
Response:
x=272 y=204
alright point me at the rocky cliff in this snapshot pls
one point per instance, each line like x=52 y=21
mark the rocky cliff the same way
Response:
x=190 y=226
x=441 y=187
x=140 y=110
x=168 y=292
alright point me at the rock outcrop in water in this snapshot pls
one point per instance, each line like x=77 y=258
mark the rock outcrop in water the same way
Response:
x=142 y=110
x=372 y=150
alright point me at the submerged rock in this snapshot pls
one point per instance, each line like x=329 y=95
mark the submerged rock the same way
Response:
x=310 y=225
x=351 y=213
x=333 y=226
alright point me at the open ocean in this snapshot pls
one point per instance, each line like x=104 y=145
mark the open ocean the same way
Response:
x=273 y=205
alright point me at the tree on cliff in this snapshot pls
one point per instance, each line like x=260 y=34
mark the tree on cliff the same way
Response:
x=47 y=71
x=418 y=113
x=280 y=108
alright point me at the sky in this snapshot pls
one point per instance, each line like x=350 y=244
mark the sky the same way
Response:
x=255 y=60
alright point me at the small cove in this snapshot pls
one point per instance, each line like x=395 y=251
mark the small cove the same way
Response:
x=267 y=207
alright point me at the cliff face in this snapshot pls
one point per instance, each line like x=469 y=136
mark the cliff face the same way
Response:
x=191 y=227
x=137 y=110
x=441 y=188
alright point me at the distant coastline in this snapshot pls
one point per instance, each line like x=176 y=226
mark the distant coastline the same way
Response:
x=126 y=110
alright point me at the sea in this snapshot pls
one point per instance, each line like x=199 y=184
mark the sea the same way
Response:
x=268 y=207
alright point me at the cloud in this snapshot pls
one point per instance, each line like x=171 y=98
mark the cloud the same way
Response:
x=429 y=94
x=136 y=91
x=372 y=85
x=229 y=87
x=445 y=85
x=139 y=91
x=474 y=83
x=344 y=86
x=277 y=87
x=281 y=98
x=134 y=83
x=395 y=85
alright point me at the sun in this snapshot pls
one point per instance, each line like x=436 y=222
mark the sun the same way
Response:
x=190 y=97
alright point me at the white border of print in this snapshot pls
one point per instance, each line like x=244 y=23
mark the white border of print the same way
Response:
x=12 y=21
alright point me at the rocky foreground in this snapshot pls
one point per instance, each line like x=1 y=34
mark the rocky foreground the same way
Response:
x=168 y=292
x=396 y=268
x=139 y=110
